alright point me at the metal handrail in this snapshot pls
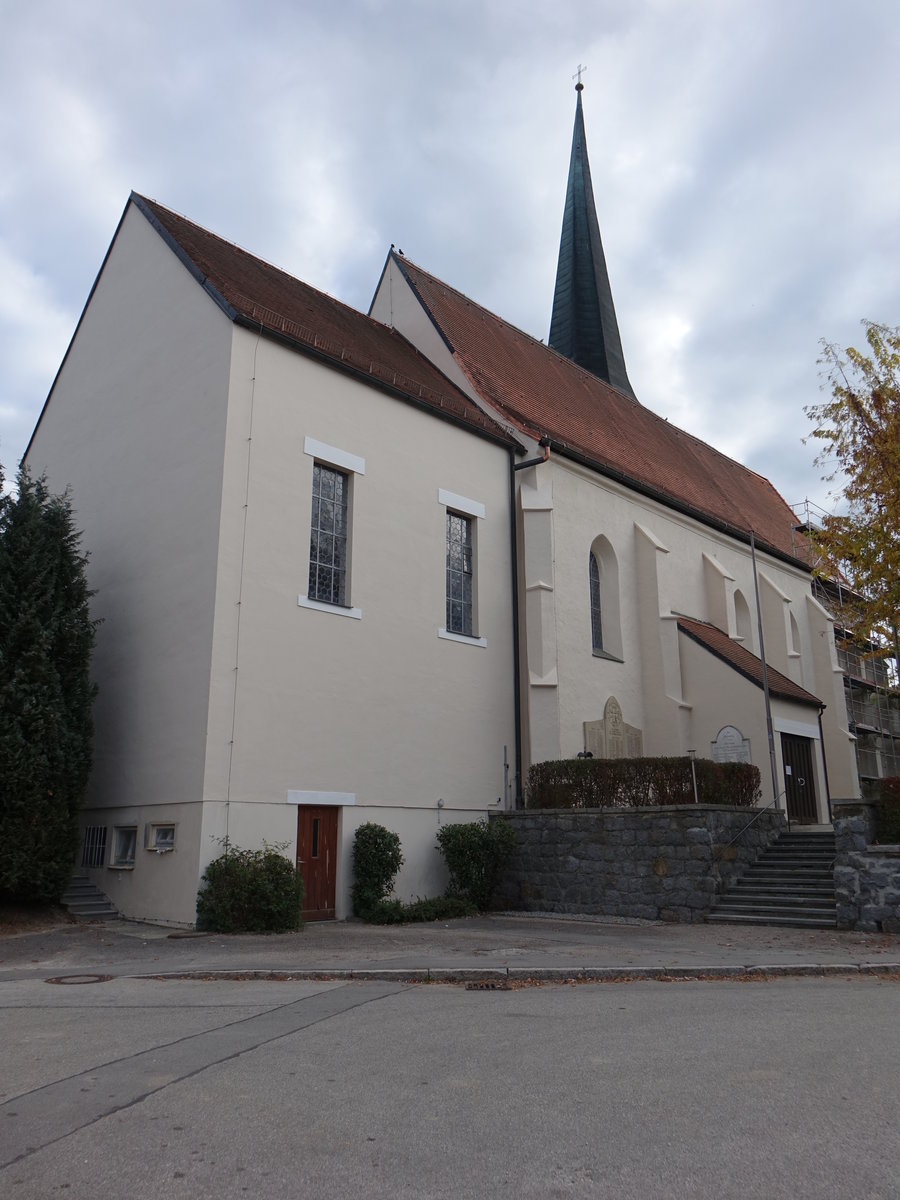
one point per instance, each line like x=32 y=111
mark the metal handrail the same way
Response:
x=759 y=812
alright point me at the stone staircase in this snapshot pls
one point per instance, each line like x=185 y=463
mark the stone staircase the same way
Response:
x=791 y=883
x=86 y=901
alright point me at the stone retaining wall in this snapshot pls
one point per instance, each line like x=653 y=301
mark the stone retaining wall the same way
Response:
x=866 y=877
x=663 y=863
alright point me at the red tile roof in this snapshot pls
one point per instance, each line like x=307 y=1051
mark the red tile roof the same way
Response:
x=540 y=392
x=745 y=663
x=262 y=295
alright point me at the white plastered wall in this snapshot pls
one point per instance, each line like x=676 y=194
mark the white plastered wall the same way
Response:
x=719 y=696
x=135 y=426
x=380 y=706
x=668 y=564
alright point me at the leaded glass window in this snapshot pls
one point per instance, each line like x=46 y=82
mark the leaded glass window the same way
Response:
x=459 y=574
x=596 y=622
x=328 y=536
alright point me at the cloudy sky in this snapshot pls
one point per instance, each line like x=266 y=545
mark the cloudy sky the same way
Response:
x=745 y=157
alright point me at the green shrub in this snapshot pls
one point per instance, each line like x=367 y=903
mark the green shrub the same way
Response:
x=475 y=854
x=438 y=908
x=250 y=891
x=376 y=860
x=887 y=812
x=640 y=782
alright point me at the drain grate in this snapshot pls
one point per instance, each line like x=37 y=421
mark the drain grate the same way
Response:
x=79 y=979
x=488 y=985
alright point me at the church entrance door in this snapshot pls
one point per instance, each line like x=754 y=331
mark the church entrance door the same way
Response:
x=799 y=782
x=317 y=860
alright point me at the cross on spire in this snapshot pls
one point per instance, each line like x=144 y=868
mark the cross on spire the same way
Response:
x=579 y=86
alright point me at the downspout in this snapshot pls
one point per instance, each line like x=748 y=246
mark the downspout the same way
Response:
x=517 y=680
x=514 y=559
x=824 y=764
x=765 y=681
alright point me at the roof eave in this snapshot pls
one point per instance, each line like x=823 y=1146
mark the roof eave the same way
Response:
x=381 y=385
x=681 y=506
x=809 y=699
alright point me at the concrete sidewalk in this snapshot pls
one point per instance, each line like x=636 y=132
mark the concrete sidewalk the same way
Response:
x=508 y=946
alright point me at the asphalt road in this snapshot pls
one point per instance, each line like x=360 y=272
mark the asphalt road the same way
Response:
x=162 y=1088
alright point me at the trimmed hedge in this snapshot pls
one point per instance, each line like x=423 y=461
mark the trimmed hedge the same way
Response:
x=250 y=891
x=377 y=858
x=437 y=908
x=887 y=812
x=475 y=853
x=640 y=782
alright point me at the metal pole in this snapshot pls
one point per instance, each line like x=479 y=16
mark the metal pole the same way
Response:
x=765 y=678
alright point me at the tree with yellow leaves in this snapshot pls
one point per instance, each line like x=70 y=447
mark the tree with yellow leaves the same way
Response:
x=859 y=432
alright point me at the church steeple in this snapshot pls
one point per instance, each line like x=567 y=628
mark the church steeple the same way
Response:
x=583 y=326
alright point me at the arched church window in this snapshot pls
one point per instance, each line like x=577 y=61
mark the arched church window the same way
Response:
x=795 y=635
x=606 y=631
x=742 y=621
x=596 y=618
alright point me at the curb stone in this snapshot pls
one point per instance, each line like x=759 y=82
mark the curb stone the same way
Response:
x=539 y=974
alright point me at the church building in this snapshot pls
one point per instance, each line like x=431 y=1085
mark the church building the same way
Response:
x=372 y=567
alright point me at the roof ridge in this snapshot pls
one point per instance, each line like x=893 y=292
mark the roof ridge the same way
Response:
x=570 y=363
x=295 y=279
x=248 y=288
x=588 y=376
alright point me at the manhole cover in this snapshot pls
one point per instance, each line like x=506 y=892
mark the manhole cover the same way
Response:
x=79 y=979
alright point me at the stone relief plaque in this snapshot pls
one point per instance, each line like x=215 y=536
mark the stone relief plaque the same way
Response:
x=612 y=737
x=615 y=729
x=730 y=746
x=595 y=739
x=635 y=739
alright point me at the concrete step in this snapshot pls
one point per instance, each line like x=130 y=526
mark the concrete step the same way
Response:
x=84 y=899
x=799 y=922
x=782 y=903
x=791 y=883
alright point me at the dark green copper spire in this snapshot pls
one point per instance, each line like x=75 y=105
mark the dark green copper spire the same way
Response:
x=583 y=326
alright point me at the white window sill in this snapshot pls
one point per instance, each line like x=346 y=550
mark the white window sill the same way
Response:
x=606 y=654
x=337 y=610
x=459 y=637
x=120 y=866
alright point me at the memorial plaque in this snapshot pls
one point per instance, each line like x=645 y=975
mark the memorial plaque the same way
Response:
x=612 y=737
x=615 y=729
x=595 y=738
x=730 y=746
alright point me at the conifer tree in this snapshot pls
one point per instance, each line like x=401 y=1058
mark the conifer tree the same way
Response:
x=46 y=639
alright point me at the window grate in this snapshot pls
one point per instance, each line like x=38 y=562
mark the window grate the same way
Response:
x=93 y=846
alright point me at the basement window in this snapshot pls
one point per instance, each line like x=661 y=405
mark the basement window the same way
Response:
x=160 y=838
x=124 y=847
x=93 y=846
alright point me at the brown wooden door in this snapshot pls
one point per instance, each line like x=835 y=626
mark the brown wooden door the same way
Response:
x=799 y=782
x=317 y=860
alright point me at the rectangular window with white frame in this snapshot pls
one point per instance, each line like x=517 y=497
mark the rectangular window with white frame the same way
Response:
x=328 y=536
x=459 y=574
x=328 y=586
x=460 y=591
